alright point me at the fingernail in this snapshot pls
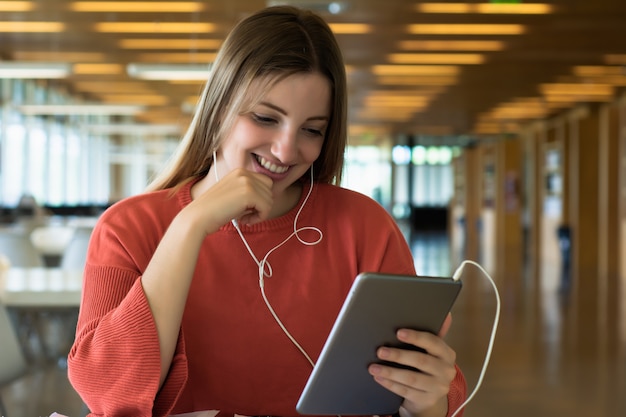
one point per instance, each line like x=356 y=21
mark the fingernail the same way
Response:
x=383 y=352
x=375 y=369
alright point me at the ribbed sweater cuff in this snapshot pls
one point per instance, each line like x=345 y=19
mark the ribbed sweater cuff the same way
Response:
x=116 y=361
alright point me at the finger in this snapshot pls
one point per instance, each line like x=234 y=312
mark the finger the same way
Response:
x=256 y=185
x=251 y=216
x=415 y=360
x=391 y=379
x=241 y=195
x=429 y=342
x=445 y=327
x=267 y=181
x=441 y=367
x=261 y=197
x=420 y=390
x=411 y=385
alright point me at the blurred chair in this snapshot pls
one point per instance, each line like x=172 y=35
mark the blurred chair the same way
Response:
x=12 y=362
x=75 y=253
x=51 y=239
x=19 y=249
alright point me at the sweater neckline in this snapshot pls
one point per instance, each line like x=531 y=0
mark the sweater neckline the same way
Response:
x=286 y=220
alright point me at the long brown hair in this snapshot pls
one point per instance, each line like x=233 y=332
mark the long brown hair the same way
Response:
x=269 y=45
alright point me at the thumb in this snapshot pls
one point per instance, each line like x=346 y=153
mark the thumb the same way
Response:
x=445 y=326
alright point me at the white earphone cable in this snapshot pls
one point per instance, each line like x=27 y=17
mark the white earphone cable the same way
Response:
x=264 y=262
x=456 y=276
x=263 y=274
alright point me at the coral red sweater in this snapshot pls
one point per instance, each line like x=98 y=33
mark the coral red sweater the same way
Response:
x=231 y=354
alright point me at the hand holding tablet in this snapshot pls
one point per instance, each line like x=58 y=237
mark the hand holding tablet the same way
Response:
x=377 y=306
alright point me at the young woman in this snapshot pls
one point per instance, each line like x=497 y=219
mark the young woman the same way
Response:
x=215 y=290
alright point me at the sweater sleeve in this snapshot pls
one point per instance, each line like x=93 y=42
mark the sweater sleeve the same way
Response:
x=114 y=363
x=457 y=393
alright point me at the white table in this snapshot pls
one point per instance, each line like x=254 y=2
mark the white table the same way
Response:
x=39 y=298
x=40 y=288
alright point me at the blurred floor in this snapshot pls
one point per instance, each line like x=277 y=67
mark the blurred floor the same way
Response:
x=545 y=363
x=45 y=388
x=40 y=393
x=548 y=360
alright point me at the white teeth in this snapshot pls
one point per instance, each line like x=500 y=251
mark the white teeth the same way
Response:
x=270 y=166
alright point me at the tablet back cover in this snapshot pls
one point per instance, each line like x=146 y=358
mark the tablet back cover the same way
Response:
x=376 y=307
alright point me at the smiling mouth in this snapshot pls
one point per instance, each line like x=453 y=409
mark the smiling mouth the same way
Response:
x=270 y=166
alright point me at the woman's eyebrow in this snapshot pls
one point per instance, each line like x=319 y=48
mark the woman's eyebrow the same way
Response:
x=284 y=112
x=272 y=106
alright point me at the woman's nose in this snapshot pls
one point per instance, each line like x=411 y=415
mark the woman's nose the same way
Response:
x=285 y=147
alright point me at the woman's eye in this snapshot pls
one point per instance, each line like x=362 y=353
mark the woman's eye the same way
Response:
x=262 y=119
x=314 y=132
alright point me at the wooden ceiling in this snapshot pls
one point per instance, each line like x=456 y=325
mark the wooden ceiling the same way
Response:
x=547 y=63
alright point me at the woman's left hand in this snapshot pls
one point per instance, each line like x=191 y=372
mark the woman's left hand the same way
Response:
x=424 y=391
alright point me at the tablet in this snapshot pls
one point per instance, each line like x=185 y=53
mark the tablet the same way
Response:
x=375 y=308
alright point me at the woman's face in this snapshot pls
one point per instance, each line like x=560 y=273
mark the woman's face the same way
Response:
x=282 y=135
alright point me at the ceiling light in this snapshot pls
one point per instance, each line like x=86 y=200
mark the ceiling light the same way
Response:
x=514 y=8
x=78 y=109
x=576 y=92
x=598 y=70
x=574 y=89
x=177 y=57
x=19 y=26
x=513 y=110
x=98 y=69
x=16 y=6
x=449 y=45
x=615 y=80
x=389 y=116
x=168 y=72
x=569 y=100
x=160 y=44
x=350 y=28
x=417 y=80
x=595 y=74
x=466 y=29
x=487 y=8
x=145 y=99
x=193 y=83
x=137 y=6
x=394 y=102
x=58 y=56
x=454 y=59
x=32 y=70
x=154 y=27
x=443 y=8
x=415 y=70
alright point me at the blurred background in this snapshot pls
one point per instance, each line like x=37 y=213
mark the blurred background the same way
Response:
x=491 y=130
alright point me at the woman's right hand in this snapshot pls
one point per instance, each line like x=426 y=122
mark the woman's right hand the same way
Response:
x=241 y=194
